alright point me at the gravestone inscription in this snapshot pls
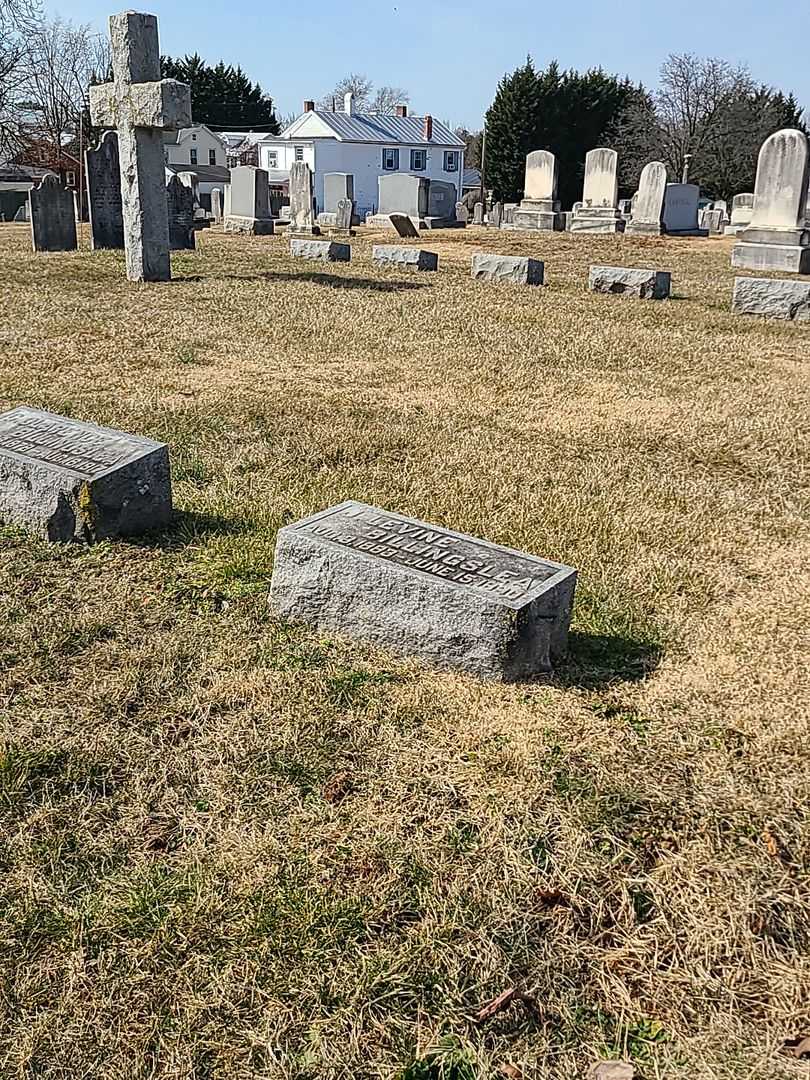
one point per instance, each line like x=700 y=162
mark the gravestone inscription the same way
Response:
x=67 y=480
x=457 y=601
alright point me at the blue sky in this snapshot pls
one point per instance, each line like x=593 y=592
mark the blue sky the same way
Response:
x=450 y=54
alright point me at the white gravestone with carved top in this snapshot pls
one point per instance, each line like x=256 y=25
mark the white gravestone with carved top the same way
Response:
x=599 y=211
x=539 y=208
x=141 y=106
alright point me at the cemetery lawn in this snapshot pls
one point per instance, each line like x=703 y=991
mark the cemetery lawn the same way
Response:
x=232 y=848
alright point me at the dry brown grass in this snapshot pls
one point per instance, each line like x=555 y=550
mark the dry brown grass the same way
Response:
x=234 y=849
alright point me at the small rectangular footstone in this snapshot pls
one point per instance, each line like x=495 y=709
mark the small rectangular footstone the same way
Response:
x=66 y=480
x=513 y=268
x=645 y=284
x=408 y=258
x=417 y=589
x=774 y=297
x=322 y=250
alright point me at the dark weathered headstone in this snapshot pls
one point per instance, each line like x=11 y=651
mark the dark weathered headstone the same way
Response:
x=180 y=208
x=66 y=480
x=404 y=258
x=454 y=600
x=644 y=284
x=104 y=201
x=53 y=216
x=404 y=226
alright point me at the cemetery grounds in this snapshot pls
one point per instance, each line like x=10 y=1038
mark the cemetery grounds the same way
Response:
x=232 y=848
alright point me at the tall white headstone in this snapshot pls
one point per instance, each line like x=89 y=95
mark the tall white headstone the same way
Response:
x=778 y=236
x=141 y=106
x=599 y=212
x=539 y=208
x=648 y=205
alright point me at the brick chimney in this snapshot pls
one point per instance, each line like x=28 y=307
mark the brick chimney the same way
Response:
x=428 y=132
x=402 y=110
x=309 y=106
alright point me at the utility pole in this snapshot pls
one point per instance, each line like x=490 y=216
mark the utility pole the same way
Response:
x=484 y=166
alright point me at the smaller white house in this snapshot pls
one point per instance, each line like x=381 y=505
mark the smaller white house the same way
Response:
x=367 y=145
x=193 y=146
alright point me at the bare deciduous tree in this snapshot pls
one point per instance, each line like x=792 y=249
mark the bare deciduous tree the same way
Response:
x=383 y=99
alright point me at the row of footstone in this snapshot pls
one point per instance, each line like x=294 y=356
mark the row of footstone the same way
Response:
x=772 y=297
x=455 y=601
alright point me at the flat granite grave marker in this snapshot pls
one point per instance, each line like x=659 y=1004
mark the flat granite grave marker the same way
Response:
x=772 y=297
x=53 y=216
x=141 y=106
x=104 y=202
x=680 y=216
x=417 y=589
x=66 y=480
x=630 y=281
x=516 y=269
x=406 y=258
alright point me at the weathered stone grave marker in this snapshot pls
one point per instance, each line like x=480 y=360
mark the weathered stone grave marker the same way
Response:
x=405 y=258
x=630 y=281
x=647 y=209
x=539 y=208
x=180 y=212
x=66 y=480
x=320 y=250
x=344 y=214
x=512 y=268
x=456 y=601
x=495 y=215
x=216 y=204
x=404 y=226
x=141 y=106
x=249 y=208
x=52 y=210
x=778 y=235
x=301 y=214
x=104 y=202
x=478 y=214
x=772 y=297
x=599 y=211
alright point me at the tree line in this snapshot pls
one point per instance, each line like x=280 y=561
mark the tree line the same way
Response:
x=703 y=108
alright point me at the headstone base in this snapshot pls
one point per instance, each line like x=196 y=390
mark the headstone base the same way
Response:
x=772 y=297
x=441 y=223
x=249 y=226
x=789 y=258
x=644 y=228
x=586 y=222
x=686 y=232
x=541 y=214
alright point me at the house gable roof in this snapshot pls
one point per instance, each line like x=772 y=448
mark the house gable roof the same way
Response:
x=369 y=128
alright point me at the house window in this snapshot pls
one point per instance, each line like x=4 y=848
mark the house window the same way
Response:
x=390 y=159
x=418 y=160
x=299 y=153
x=212 y=157
x=272 y=159
x=70 y=179
x=193 y=156
x=451 y=161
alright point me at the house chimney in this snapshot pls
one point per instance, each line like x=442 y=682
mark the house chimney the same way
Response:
x=402 y=110
x=348 y=103
x=309 y=106
x=428 y=133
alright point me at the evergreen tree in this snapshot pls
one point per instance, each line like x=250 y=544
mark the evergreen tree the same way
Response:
x=222 y=96
x=511 y=126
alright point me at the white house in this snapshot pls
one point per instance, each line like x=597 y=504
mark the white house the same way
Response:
x=193 y=146
x=367 y=145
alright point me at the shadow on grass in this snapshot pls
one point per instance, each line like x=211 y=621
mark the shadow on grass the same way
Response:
x=186 y=527
x=598 y=660
x=333 y=281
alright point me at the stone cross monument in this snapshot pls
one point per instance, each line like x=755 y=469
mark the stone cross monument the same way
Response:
x=141 y=106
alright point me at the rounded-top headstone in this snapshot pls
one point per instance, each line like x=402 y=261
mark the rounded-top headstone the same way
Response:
x=652 y=189
x=541 y=175
x=780 y=192
x=601 y=186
